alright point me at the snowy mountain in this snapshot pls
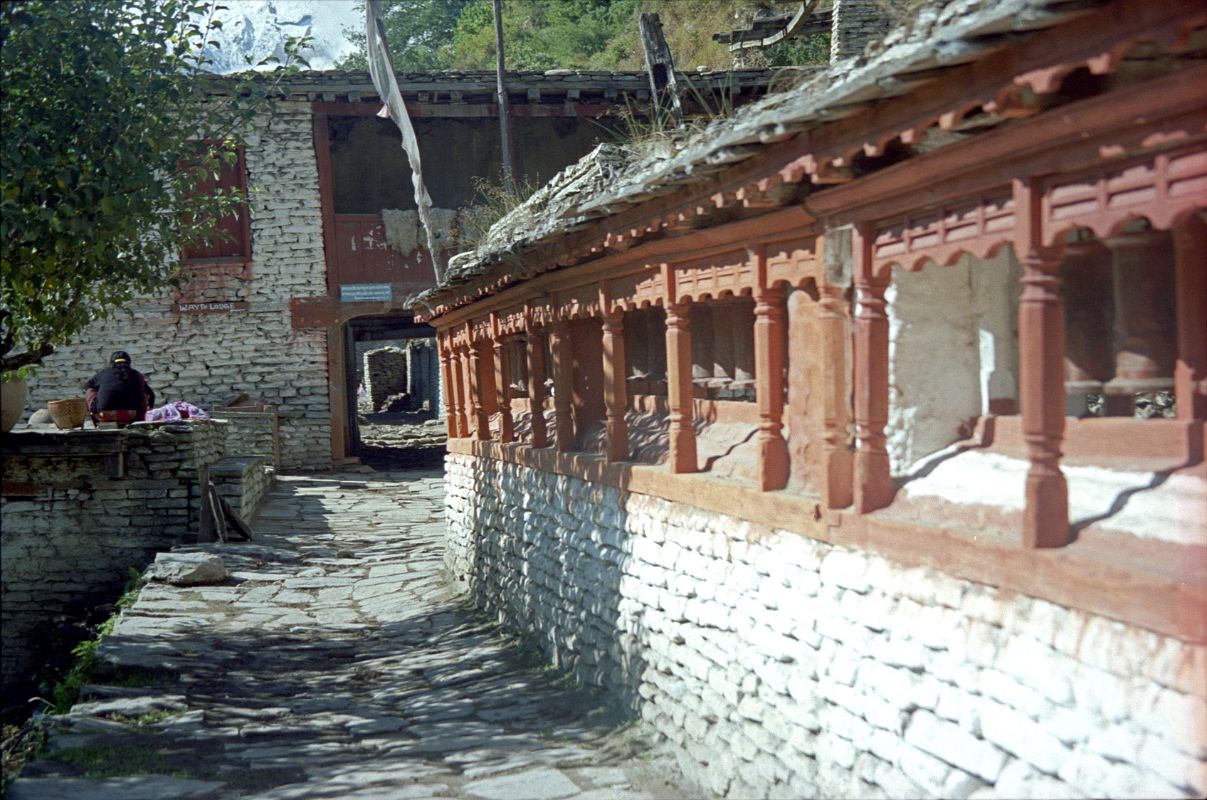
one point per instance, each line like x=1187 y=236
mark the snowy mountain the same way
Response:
x=258 y=28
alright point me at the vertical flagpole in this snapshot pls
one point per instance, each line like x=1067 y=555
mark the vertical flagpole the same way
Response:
x=504 y=134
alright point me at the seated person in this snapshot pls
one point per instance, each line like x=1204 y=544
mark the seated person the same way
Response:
x=118 y=393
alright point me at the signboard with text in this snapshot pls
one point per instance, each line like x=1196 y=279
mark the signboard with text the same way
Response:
x=366 y=293
x=212 y=307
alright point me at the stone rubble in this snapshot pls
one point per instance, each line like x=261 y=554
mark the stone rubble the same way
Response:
x=337 y=661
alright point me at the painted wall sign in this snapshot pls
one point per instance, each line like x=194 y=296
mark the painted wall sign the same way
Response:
x=365 y=292
x=215 y=307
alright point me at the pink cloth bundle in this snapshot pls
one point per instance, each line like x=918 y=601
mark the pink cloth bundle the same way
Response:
x=178 y=410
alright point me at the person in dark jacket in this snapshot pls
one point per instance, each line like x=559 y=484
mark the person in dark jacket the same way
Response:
x=118 y=393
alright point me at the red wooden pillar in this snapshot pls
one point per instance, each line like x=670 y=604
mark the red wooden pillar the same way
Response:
x=502 y=390
x=679 y=388
x=769 y=358
x=836 y=454
x=461 y=392
x=1190 y=372
x=1041 y=354
x=446 y=374
x=873 y=483
x=536 y=384
x=481 y=418
x=615 y=373
x=563 y=385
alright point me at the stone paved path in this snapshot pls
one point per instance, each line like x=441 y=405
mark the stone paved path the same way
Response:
x=335 y=663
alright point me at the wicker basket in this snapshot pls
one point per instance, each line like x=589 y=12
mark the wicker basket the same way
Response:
x=67 y=413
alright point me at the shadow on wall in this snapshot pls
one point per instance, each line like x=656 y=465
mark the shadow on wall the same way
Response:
x=566 y=587
x=726 y=449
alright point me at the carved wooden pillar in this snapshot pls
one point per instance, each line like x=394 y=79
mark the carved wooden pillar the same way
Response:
x=873 y=483
x=1041 y=355
x=1190 y=373
x=461 y=384
x=1145 y=333
x=563 y=384
x=481 y=417
x=769 y=360
x=502 y=389
x=836 y=453
x=679 y=388
x=615 y=371
x=446 y=374
x=536 y=384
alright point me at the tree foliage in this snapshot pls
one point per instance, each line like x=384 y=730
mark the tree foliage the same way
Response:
x=428 y=35
x=105 y=130
x=419 y=32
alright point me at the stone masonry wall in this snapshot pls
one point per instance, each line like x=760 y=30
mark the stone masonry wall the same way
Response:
x=780 y=666
x=208 y=358
x=251 y=433
x=385 y=374
x=853 y=24
x=69 y=539
x=243 y=481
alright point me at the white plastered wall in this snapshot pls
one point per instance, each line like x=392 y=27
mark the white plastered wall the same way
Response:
x=953 y=346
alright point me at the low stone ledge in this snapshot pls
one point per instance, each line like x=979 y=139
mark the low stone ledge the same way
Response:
x=243 y=481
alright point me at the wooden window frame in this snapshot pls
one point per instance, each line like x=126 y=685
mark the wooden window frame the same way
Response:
x=244 y=256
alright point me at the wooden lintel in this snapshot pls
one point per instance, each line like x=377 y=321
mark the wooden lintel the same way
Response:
x=546 y=107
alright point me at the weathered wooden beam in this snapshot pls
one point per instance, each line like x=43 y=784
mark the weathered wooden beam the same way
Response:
x=661 y=66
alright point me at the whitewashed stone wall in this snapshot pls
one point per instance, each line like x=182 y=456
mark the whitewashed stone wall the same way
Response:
x=949 y=358
x=779 y=666
x=207 y=359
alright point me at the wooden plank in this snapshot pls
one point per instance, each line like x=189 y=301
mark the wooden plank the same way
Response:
x=205 y=522
x=236 y=523
x=660 y=66
x=215 y=507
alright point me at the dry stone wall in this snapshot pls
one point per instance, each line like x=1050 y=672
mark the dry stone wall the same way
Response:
x=242 y=481
x=855 y=23
x=208 y=358
x=385 y=374
x=85 y=516
x=251 y=433
x=779 y=666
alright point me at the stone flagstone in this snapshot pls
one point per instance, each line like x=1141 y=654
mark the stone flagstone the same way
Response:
x=331 y=658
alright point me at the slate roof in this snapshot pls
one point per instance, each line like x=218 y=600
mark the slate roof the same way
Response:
x=468 y=85
x=939 y=36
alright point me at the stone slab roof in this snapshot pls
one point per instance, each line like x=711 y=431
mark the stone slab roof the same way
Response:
x=939 y=36
x=355 y=85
